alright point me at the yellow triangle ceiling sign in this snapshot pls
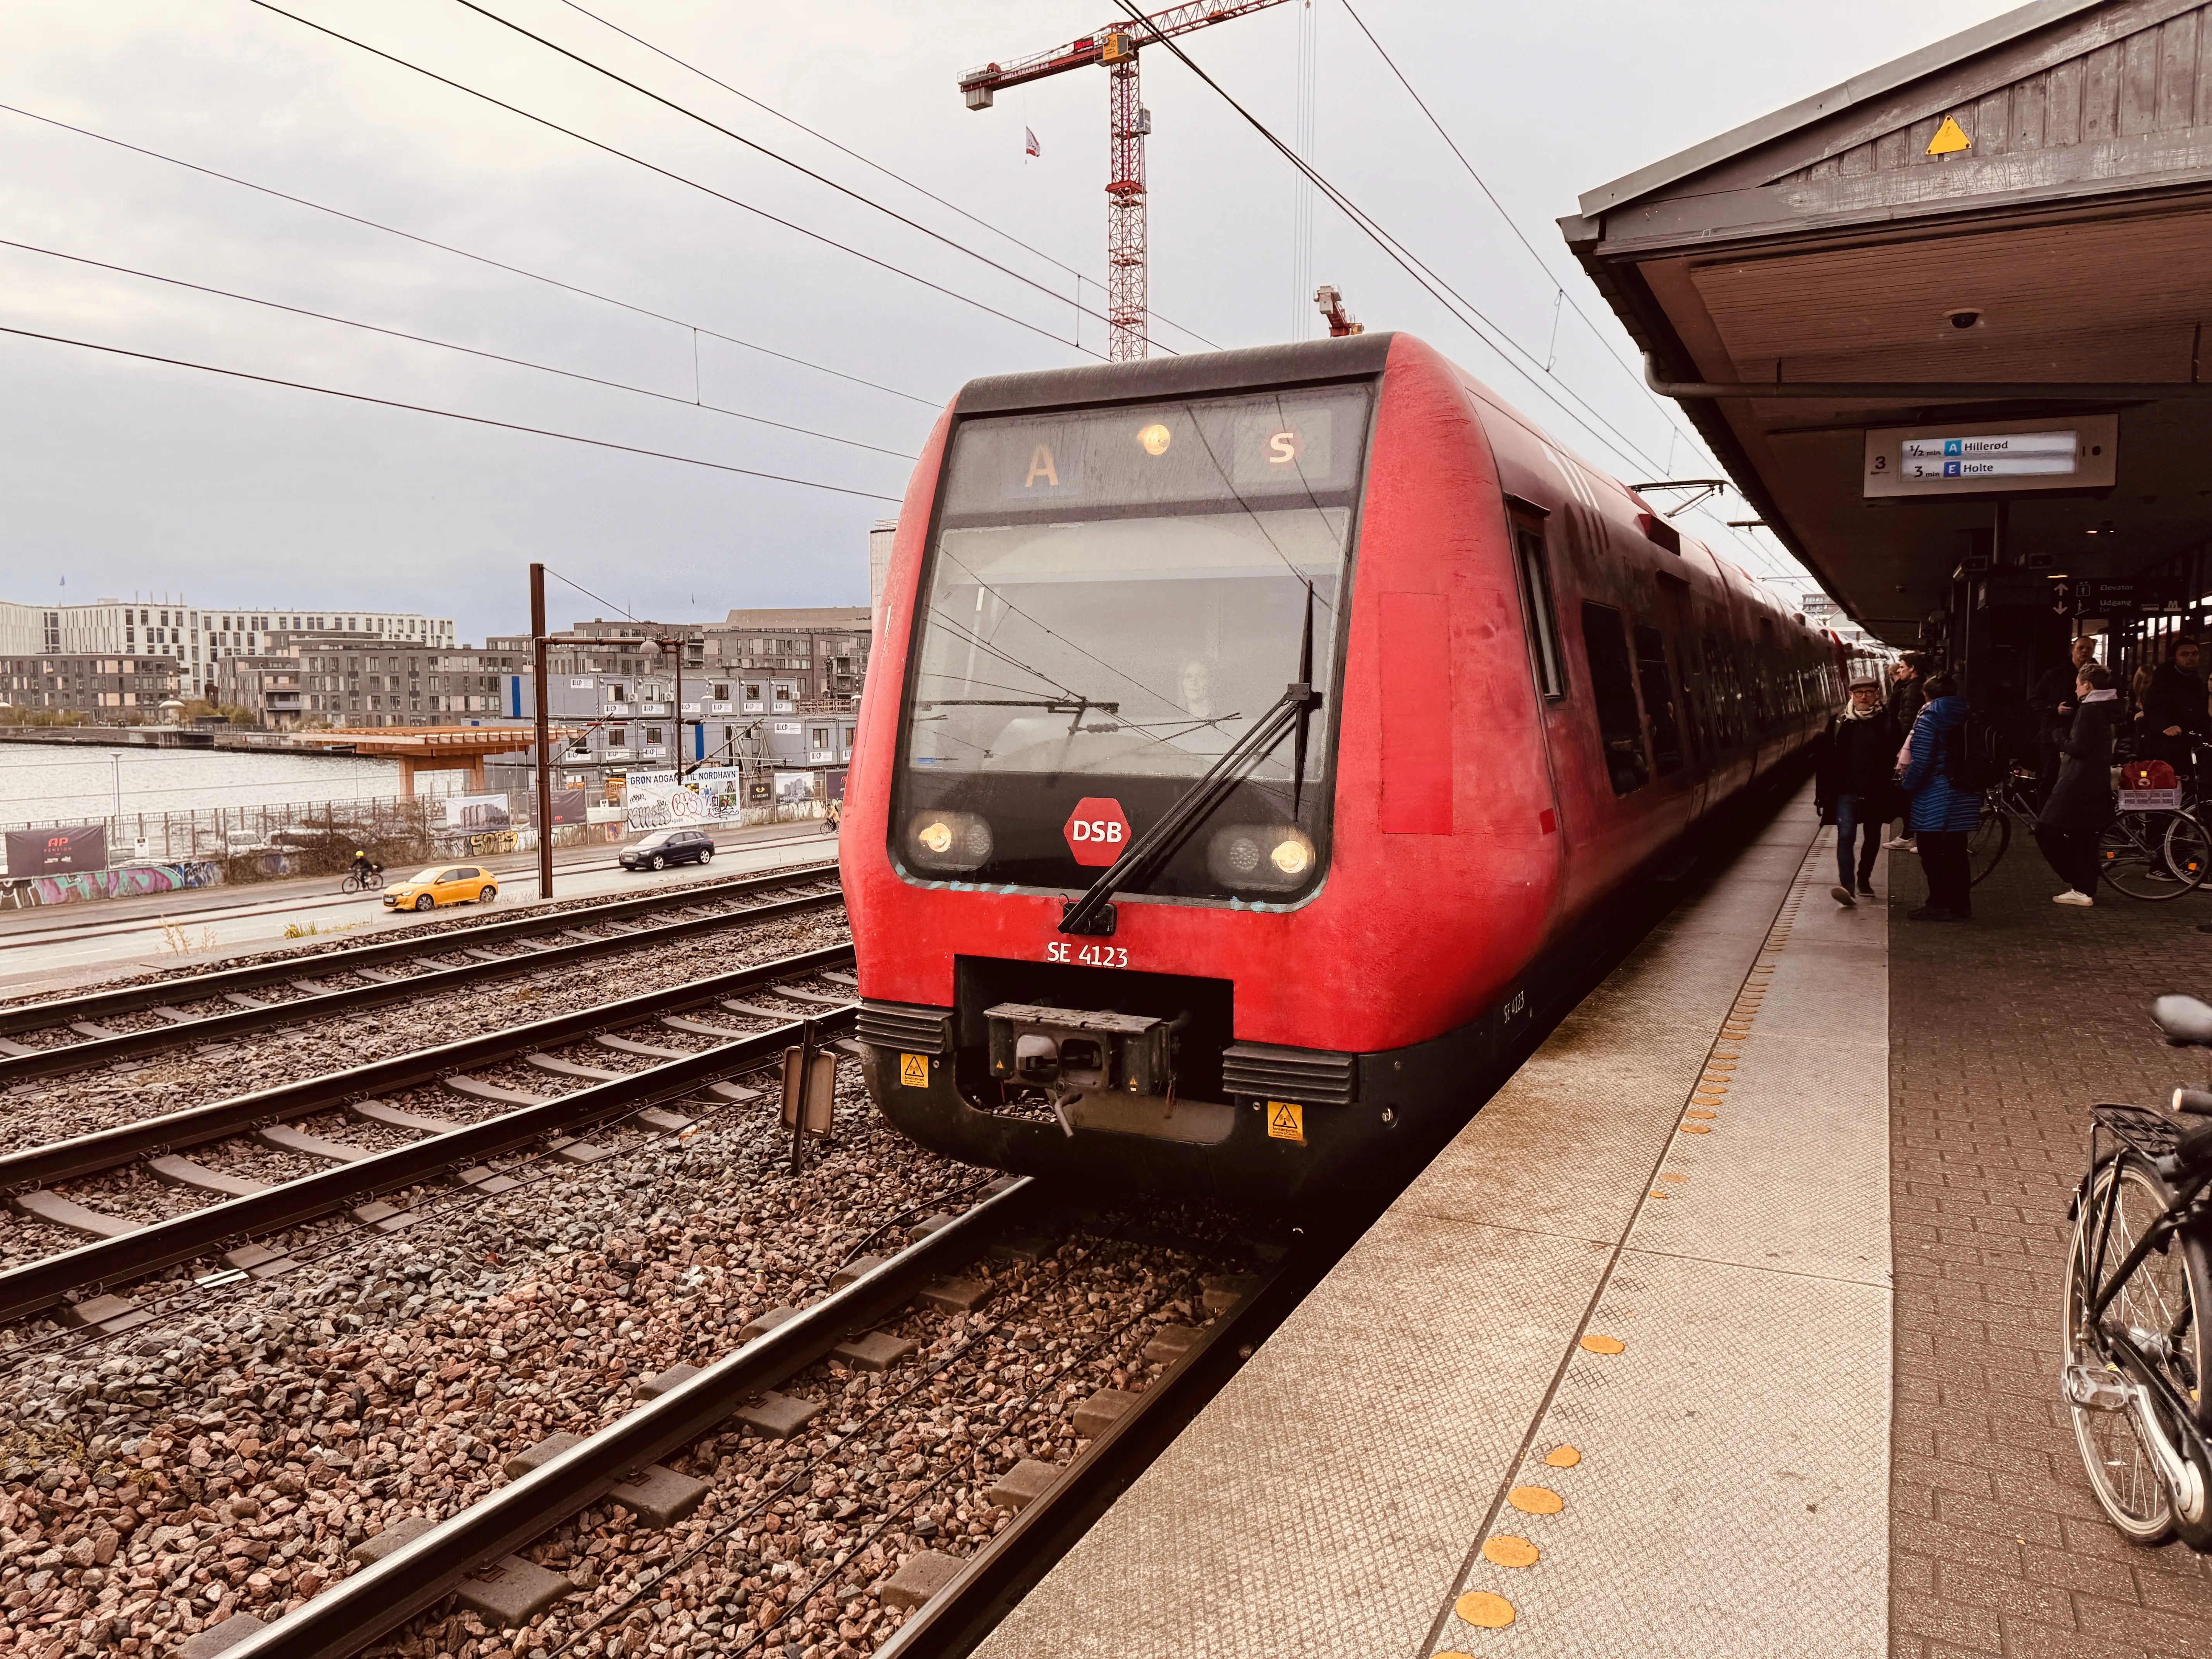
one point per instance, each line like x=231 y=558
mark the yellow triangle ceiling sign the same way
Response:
x=1950 y=138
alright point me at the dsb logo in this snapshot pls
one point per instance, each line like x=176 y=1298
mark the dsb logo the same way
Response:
x=1097 y=831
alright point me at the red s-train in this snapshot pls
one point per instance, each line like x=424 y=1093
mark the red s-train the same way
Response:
x=1365 y=694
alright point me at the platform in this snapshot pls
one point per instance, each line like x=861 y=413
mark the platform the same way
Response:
x=1614 y=1376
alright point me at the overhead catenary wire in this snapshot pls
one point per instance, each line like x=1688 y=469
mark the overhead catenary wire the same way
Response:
x=448 y=345
x=759 y=149
x=869 y=162
x=1559 y=289
x=447 y=413
x=464 y=253
x=1461 y=309
x=675 y=177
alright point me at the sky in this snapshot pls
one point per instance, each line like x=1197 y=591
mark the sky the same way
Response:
x=120 y=476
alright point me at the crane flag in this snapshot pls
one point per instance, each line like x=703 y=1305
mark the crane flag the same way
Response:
x=1029 y=143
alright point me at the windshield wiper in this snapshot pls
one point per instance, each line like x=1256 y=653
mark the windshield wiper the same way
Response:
x=1092 y=915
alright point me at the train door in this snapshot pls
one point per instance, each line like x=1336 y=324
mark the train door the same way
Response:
x=1547 y=662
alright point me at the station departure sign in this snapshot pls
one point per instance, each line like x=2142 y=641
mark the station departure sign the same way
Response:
x=1991 y=458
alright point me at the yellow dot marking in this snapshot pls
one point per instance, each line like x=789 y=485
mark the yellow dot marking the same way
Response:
x=1655 y=1193
x=1535 y=1500
x=1696 y=1129
x=1508 y=1551
x=1693 y=1112
x=1603 y=1344
x=1669 y=1175
x=1708 y=1096
x=1484 y=1611
x=1718 y=1055
x=1563 y=1457
x=1454 y=1653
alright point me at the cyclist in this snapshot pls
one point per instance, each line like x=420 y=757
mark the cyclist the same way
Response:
x=835 y=815
x=365 y=870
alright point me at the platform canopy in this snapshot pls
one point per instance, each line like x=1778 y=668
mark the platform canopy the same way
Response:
x=2000 y=240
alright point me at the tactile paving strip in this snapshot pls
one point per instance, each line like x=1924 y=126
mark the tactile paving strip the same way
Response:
x=1729 y=1397
x=1337 y=1486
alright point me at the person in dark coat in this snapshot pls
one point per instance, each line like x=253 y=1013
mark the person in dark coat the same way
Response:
x=1942 y=815
x=2054 y=704
x=2173 y=715
x=2080 y=804
x=1908 y=694
x=1855 y=777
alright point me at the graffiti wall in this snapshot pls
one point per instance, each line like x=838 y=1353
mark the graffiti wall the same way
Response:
x=21 y=892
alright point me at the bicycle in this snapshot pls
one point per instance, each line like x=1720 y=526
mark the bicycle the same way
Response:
x=2138 y=1299
x=2003 y=802
x=2155 y=855
x=363 y=881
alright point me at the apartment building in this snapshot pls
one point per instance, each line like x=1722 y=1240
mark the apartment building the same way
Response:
x=118 y=691
x=198 y=637
x=790 y=661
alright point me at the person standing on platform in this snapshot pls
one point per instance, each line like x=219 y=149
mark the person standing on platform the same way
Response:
x=1857 y=762
x=1942 y=816
x=2173 y=715
x=1907 y=694
x=2054 y=701
x=2081 y=805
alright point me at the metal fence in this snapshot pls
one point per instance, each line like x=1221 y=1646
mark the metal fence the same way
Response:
x=318 y=834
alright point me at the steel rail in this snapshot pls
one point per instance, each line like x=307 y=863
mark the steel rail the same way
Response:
x=955 y=1621
x=357 y=1610
x=124 y=1143
x=211 y=1028
x=97 y=1267
x=32 y=1016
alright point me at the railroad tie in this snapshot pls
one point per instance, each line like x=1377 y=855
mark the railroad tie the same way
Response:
x=56 y=1210
x=399 y=1117
x=700 y=1028
x=815 y=997
x=631 y=1046
x=240 y=1000
x=461 y=1084
x=561 y=1067
x=88 y=1029
x=285 y=1138
x=657 y=1495
x=174 y=1016
x=184 y=1172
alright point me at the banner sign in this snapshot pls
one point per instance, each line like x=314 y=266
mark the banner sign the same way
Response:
x=476 y=814
x=707 y=794
x=57 y=851
x=570 y=806
x=794 y=788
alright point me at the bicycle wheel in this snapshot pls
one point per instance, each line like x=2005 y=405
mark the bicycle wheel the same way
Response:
x=2187 y=849
x=2160 y=1306
x=2132 y=854
x=1985 y=848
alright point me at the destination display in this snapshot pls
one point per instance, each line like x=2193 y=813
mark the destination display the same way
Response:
x=2061 y=454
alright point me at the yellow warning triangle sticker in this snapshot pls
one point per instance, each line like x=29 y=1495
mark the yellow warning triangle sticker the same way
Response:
x=1950 y=138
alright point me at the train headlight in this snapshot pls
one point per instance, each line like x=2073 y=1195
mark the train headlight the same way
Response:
x=948 y=840
x=1261 y=858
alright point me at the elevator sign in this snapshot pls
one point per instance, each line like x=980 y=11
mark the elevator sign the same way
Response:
x=1949 y=460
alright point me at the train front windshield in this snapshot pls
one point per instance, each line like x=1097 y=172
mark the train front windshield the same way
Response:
x=1115 y=597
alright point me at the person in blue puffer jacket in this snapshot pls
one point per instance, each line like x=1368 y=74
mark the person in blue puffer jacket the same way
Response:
x=1942 y=815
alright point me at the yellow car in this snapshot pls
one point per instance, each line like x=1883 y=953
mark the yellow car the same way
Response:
x=443 y=885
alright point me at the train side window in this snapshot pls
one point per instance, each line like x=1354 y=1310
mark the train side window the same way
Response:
x=1659 y=703
x=1544 y=654
x=1612 y=687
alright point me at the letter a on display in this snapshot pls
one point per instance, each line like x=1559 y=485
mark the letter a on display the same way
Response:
x=1041 y=466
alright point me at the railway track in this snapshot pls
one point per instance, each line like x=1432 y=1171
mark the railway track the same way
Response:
x=532 y=943
x=420 y=1141
x=473 y=1555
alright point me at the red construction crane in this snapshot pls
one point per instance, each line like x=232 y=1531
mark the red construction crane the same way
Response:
x=1115 y=47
